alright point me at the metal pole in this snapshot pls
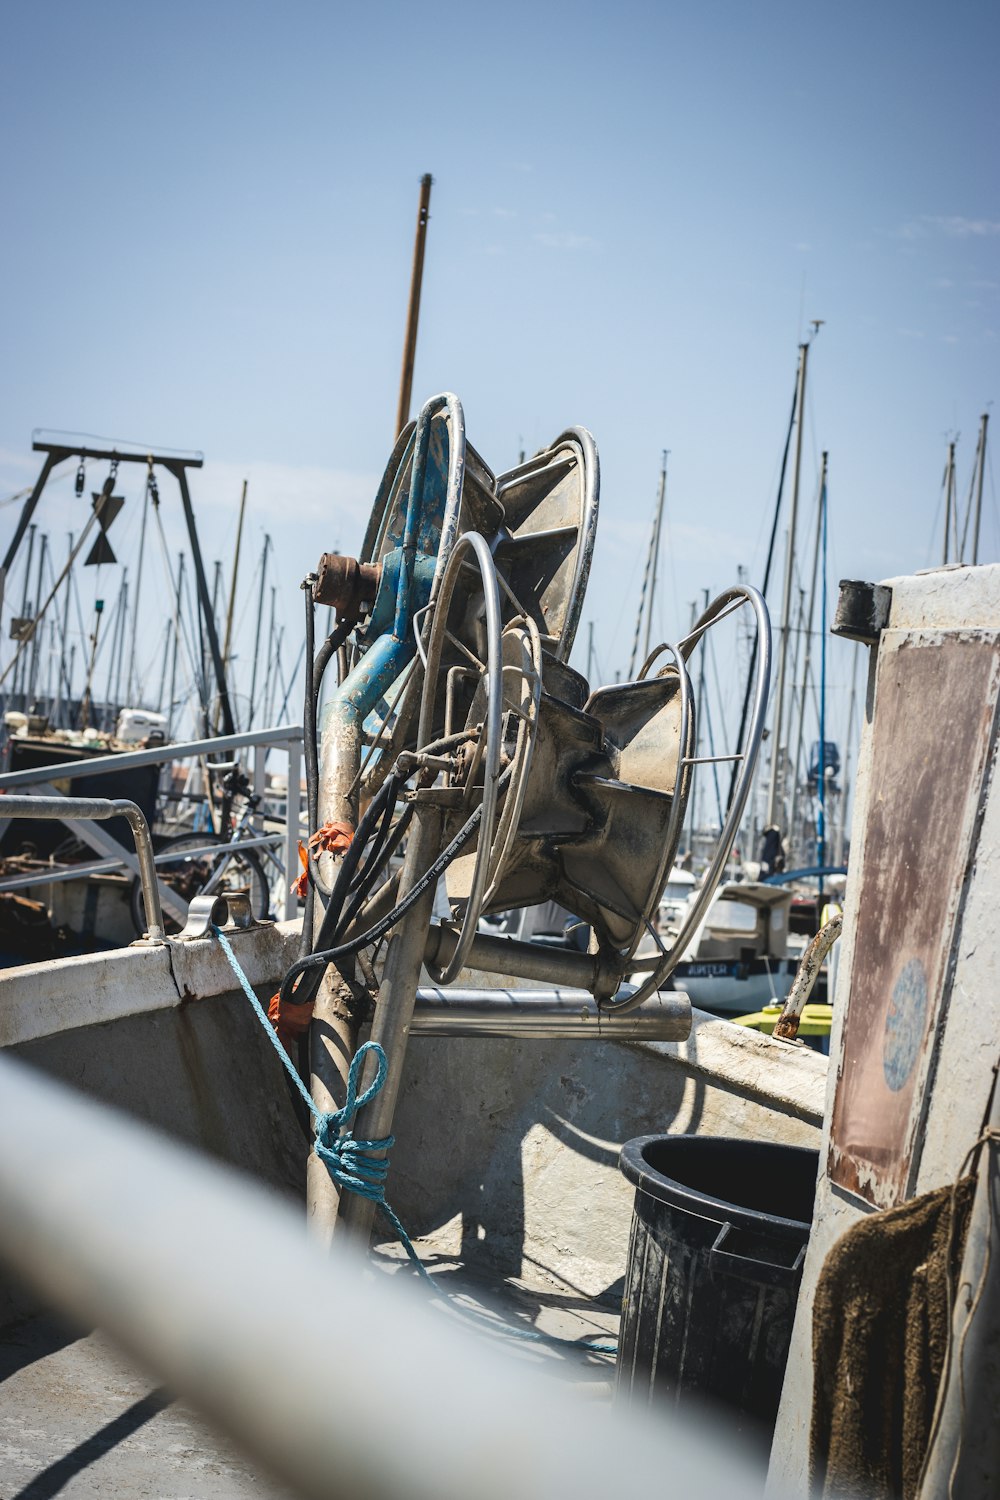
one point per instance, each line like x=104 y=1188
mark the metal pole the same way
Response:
x=775 y=791
x=292 y=800
x=656 y=552
x=177 y=632
x=51 y=459
x=821 y=821
x=413 y=311
x=256 y=639
x=105 y=765
x=138 y=589
x=227 y=645
x=19 y=662
x=807 y=662
x=563 y=1014
x=64 y=640
x=979 y=487
x=35 y=632
x=396 y=997
x=180 y=474
x=115 y=627
x=949 y=480
x=117 y=704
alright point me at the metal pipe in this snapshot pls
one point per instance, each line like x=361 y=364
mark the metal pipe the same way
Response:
x=396 y=997
x=555 y=1014
x=98 y=809
x=180 y=1271
x=55 y=874
x=293 y=796
x=498 y=955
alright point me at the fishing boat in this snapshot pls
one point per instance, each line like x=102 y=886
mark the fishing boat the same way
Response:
x=738 y=959
x=512 y=1077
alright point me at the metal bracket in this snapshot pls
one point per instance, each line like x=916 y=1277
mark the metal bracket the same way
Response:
x=232 y=910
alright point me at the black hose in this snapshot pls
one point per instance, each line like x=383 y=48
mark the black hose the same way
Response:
x=324 y=957
x=375 y=866
x=386 y=795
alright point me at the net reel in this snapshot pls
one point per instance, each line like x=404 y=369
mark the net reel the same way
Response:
x=468 y=595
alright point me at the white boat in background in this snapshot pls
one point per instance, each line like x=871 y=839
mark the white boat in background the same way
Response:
x=738 y=959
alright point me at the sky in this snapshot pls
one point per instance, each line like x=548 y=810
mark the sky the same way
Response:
x=637 y=212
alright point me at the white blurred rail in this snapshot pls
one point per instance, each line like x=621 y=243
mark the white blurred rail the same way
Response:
x=341 y=1382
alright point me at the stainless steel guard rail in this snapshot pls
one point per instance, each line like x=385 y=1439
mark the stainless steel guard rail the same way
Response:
x=260 y=740
x=65 y=809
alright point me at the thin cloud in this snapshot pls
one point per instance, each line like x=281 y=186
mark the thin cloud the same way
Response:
x=566 y=240
x=960 y=228
x=953 y=226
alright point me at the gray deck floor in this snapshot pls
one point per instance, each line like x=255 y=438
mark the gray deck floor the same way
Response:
x=77 y=1419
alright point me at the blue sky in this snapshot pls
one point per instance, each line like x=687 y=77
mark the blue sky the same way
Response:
x=637 y=210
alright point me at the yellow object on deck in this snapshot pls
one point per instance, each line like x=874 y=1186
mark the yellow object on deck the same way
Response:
x=816 y=1019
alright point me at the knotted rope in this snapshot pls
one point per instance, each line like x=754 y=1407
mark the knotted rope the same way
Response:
x=353 y=1165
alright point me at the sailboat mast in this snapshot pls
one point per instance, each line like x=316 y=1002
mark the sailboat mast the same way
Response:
x=35 y=629
x=949 y=484
x=979 y=486
x=656 y=552
x=57 y=714
x=256 y=643
x=131 y=679
x=821 y=810
x=775 y=789
x=228 y=644
x=173 y=656
x=413 y=310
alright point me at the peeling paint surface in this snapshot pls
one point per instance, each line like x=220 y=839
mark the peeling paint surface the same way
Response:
x=937 y=696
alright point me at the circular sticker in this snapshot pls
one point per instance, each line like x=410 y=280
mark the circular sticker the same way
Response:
x=904 y=1024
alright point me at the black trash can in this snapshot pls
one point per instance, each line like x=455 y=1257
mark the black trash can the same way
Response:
x=719 y=1233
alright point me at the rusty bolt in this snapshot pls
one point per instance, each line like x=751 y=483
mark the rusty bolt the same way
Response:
x=349 y=586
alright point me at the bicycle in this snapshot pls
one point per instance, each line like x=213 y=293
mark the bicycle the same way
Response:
x=190 y=865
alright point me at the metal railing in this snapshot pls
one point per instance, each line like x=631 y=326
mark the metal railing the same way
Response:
x=71 y=809
x=41 y=778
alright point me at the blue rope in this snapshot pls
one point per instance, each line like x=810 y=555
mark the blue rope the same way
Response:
x=350 y=1161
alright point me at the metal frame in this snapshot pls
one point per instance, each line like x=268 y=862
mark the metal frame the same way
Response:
x=470 y=540
x=581 y=442
x=725 y=604
x=69 y=809
x=176 y=464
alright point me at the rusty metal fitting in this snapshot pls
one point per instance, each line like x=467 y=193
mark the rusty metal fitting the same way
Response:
x=346 y=584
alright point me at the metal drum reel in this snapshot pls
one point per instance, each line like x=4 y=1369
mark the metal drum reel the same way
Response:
x=597 y=787
x=461 y=659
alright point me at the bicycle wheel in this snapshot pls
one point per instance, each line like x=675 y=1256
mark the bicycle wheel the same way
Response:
x=195 y=874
